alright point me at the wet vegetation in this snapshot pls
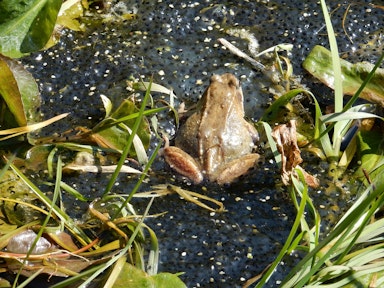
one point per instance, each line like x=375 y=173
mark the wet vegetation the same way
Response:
x=111 y=246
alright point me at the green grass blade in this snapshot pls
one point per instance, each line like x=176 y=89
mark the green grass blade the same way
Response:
x=272 y=143
x=321 y=131
x=142 y=176
x=338 y=84
x=121 y=253
x=288 y=242
x=336 y=240
x=129 y=143
x=69 y=223
x=271 y=113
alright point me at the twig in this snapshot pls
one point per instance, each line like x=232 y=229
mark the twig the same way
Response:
x=241 y=54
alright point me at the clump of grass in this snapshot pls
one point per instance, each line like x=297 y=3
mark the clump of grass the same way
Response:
x=344 y=115
x=352 y=252
x=110 y=254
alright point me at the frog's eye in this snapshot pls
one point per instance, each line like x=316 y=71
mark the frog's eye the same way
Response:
x=232 y=81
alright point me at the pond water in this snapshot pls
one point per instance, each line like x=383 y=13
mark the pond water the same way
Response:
x=176 y=42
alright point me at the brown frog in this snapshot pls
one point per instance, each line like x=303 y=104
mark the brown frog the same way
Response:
x=215 y=142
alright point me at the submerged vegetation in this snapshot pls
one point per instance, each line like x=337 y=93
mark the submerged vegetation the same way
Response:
x=110 y=244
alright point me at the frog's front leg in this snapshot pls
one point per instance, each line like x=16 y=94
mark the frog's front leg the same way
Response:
x=183 y=163
x=236 y=168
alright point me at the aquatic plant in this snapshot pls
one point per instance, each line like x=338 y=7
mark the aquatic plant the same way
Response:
x=351 y=253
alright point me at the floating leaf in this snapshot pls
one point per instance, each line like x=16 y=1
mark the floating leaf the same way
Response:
x=36 y=157
x=69 y=13
x=15 y=191
x=27 y=25
x=19 y=90
x=111 y=135
x=132 y=277
x=370 y=154
x=68 y=16
x=319 y=64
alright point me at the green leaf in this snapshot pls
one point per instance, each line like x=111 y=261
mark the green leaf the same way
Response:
x=319 y=64
x=20 y=93
x=272 y=112
x=68 y=17
x=26 y=26
x=116 y=136
x=107 y=105
x=69 y=14
x=130 y=277
x=370 y=154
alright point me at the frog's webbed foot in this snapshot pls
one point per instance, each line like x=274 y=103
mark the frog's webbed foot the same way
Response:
x=236 y=168
x=183 y=163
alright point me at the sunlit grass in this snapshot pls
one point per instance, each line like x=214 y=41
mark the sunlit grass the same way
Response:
x=122 y=220
x=59 y=215
x=15 y=132
x=342 y=124
x=353 y=248
x=127 y=148
x=352 y=253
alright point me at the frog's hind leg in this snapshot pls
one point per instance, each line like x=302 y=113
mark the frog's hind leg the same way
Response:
x=183 y=163
x=236 y=168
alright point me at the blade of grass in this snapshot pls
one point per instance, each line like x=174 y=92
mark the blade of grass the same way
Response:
x=102 y=126
x=138 y=184
x=69 y=223
x=272 y=111
x=153 y=257
x=336 y=237
x=321 y=132
x=45 y=222
x=272 y=143
x=129 y=143
x=121 y=253
x=374 y=206
x=14 y=132
x=291 y=237
x=74 y=279
x=29 y=279
x=7 y=165
x=338 y=84
x=118 y=267
x=348 y=116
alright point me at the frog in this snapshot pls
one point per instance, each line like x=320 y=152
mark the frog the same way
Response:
x=215 y=142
